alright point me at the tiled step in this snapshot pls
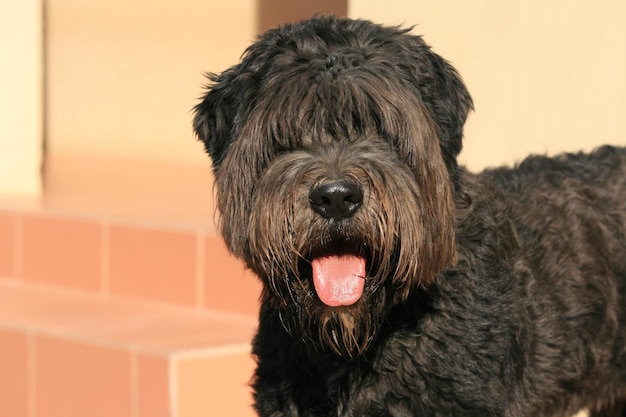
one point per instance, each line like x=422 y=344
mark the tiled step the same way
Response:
x=117 y=297
x=187 y=266
x=108 y=316
x=79 y=354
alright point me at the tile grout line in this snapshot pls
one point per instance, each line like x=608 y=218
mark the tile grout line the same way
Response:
x=120 y=220
x=213 y=352
x=134 y=383
x=31 y=374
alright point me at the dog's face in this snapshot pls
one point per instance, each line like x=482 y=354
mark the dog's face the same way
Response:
x=334 y=147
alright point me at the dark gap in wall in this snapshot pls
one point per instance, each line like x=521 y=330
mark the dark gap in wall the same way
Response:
x=272 y=13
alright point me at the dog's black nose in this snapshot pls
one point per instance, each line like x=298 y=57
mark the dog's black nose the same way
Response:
x=337 y=200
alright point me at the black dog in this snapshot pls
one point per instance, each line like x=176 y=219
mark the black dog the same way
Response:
x=395 y=282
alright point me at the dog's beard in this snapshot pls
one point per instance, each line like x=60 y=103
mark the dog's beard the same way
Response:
x=344 y=331
x=389 y=230
x=347 y=330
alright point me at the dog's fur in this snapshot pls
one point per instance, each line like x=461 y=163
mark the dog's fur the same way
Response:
x=497 y=294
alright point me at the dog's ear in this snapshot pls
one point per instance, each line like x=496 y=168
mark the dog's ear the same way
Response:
x=215 y=115
x=446 y=97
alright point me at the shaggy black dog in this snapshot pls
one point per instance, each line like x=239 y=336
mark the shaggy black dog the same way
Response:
x=395 y=282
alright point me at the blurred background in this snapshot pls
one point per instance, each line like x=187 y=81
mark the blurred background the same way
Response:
x=108 y=248
x=117 y=79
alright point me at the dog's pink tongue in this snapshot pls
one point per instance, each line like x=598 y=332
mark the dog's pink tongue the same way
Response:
x=339 y=280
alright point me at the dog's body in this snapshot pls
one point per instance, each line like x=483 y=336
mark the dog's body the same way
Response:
x=395 y=282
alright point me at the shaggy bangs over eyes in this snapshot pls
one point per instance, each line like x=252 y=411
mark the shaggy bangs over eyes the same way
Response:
x=298 y=103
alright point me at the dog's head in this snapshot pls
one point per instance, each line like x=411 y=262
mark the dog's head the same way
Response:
x=334 y=146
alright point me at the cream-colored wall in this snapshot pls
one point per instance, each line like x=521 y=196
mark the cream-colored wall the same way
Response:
x=123 y=76
x=20 y=98
x=546 y=76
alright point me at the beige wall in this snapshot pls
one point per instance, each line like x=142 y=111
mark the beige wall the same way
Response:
x=20 y=97
x=123 y=76
x=545 y=76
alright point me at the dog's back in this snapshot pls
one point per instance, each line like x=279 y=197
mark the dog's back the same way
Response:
x=604 y=168
x=569 y=217
x=570 y=198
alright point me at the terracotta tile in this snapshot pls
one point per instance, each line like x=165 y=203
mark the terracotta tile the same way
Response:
x=215 y=386
x=62 y=252
x=156 y=264
x=8 y=245
x=153 y=387
x=75 y=380
x=14 y=399
x=228 y=285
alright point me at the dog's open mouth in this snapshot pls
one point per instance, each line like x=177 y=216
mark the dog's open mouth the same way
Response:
x=338 y=271
x=339 y=279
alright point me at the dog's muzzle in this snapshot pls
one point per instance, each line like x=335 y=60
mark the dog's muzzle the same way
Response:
x=338 y=276
x=337 y=199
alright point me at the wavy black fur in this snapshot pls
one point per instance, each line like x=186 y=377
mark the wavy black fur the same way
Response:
x=497 y=294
